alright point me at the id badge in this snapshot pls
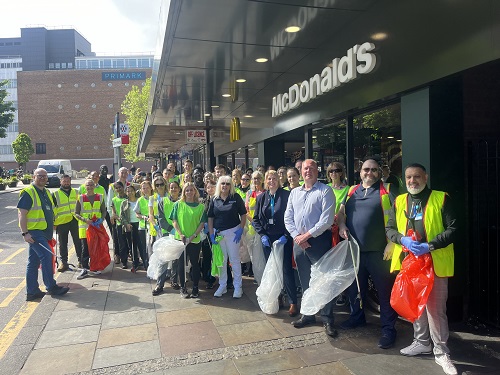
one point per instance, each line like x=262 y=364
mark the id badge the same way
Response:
x=419 y=216
x=271 y=221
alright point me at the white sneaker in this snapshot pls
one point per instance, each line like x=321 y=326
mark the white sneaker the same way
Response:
x=82 y=274
x=220 y=291
x=238 y=292
x=416 y=348
x=445 y=362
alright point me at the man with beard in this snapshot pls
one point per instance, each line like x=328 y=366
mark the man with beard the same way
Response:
x=65 y=222
x=428 y=212
x=104 y=181
x=198 y=174
x=364 y=214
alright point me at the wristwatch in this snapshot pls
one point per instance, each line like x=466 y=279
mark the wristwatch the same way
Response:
x=24 y=233
x=431 y=247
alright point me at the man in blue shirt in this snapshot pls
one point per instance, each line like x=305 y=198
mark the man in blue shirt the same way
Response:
x=36 y=228
x=308 y=218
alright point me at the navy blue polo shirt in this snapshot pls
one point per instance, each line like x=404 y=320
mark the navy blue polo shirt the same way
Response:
x=226 y=213
x=365 y=218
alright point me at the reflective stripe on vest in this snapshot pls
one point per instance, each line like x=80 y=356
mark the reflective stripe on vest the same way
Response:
x=144 y=210
x=188 y=219
x=88 y=211
x=35 y=216
x=442 y=259
x=65 y=206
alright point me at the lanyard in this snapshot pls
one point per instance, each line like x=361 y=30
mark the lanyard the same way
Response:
x=272 y=205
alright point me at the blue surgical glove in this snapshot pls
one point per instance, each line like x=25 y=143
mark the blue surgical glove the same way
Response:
x=265 y=241
x=212 y=239
x=98 y=222
x=406 y=242
x=283 y=240
x=237 y=234
x=157 y=227
x=418 y=248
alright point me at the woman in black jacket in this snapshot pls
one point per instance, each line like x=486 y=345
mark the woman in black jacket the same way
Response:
x=269 y=222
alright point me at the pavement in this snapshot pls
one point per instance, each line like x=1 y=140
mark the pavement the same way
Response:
x=111 y=324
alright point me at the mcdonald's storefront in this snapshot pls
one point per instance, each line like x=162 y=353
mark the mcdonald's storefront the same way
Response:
x=406 y=81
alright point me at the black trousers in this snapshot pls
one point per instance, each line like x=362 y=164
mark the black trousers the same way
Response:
x=85 y=254
x=122 y=244
x=193 y=254
x=63 y=231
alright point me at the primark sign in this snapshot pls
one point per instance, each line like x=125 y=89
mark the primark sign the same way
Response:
x=123 y=76
x=358 y=60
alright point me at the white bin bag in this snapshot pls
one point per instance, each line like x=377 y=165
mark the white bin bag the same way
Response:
x=254 y=246
x=331 y=275
x=272 y=281
x=165 y=249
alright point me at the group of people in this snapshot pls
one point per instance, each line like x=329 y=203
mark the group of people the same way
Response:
x=289 y=206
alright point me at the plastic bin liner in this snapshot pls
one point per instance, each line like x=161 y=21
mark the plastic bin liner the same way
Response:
x=165 y=249
x=98 y=239
x=254 y=246
x=272 y=281
x=217 y=257
x=412 y=286
x=331 y=275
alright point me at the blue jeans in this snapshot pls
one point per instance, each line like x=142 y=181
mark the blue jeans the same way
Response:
x=371 y=262
x=38 y=255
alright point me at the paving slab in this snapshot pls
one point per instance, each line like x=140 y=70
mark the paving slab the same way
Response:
x=268 y=363
x=174 y=318
x=129 y=300
x=244 y=333
x=328 y=352
x=171 y=300
x=69 y=359
x=91 y=299
x=224 y=367
x=133 y=282
x=239 y=311
x=68 y=336
x=129 y=353
x=128 y=318
x=331 y=368
x=127 y=335
x=71 y=318
x=187 y=338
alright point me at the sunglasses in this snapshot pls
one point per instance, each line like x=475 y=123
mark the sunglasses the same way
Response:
x=370 y=169
x=335 y=170
x=225 y=183
x=245 y=179
x=159 y=184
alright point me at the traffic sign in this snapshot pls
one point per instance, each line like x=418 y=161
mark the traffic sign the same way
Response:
x=124 y=129
x=117 y=142
x=196 y=136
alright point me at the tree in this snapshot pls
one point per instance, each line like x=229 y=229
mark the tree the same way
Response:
x=135 y=108
x=6 y=110
x=23 y=148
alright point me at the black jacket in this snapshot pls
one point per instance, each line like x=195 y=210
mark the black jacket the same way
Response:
x=263 y=214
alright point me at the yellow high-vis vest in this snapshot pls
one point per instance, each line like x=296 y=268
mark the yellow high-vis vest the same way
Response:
x=36 y=216
x=65 y=210
x=88 y=211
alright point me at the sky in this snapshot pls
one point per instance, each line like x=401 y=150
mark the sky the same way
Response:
x=111 y=26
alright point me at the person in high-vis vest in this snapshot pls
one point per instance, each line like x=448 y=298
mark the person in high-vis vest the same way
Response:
x=122 y=177
x=94 y=175
x=364 y=215
x=142 y=212
x=65 y=199
x=430 y=214
x=36 y=220
x=88 y=206
x=116 y=203
x=188 y=218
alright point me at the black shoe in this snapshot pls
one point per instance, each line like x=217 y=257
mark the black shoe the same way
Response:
x=157 y=291
x=304 y=321
x=210 y=285
x=386 y=341
x=37 y=295
x=184 y=293
x=175 y=286
x=57 y=290
x=124 y=267
x=330 y=331
x=351 y=324
x=230 y=286
x=195 y=292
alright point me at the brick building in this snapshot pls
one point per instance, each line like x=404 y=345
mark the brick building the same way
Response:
x=69 y=113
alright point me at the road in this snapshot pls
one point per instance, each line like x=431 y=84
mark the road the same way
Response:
x=14 y=311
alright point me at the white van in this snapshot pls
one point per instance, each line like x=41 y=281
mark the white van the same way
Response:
x=55 y=169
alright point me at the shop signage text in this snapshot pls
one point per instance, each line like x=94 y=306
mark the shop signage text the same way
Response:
x=196 y=136
x=123 y=76
x=358 y=60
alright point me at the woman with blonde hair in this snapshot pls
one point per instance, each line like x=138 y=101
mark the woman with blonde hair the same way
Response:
x=227 y=217
x=188 y=217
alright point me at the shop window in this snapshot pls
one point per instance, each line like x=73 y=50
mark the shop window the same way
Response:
x=329 y=145
x=41 y=148
x=378 y=134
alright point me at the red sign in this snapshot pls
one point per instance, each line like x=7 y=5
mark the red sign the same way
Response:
x=125 y=139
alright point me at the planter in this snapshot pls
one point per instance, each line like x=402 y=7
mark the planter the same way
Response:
x=26 y=182
x=12 y=184
x=2 y=187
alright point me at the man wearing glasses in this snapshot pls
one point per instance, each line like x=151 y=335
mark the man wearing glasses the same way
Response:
x=364 y=214
x=36 y=220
